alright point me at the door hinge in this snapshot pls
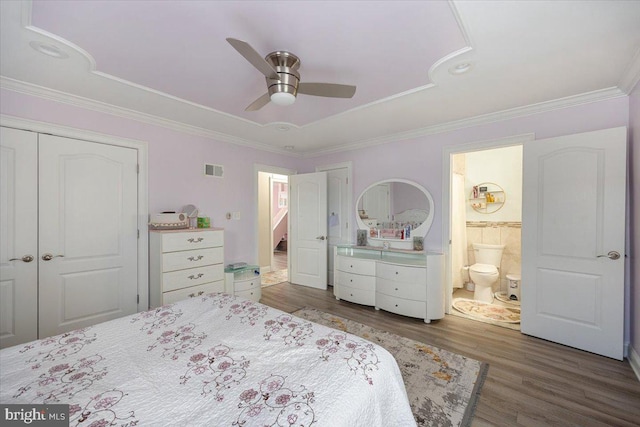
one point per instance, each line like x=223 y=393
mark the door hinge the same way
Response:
x=138 y=168
x=347 y=225
x=138 y=233
x=347 y=181
x=138 y=299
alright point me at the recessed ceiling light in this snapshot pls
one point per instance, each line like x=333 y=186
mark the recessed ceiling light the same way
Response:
x=288 y=147
x=283 y=128
x=460 y=68
x=48 y=49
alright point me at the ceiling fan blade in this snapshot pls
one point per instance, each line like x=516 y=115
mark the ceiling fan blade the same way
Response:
x=259 y=103
x=254 y=58
x=331 y=90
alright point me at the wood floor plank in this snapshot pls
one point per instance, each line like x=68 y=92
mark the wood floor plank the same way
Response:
x=531 y=382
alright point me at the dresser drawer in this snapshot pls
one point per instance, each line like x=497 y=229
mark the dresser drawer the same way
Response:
x=408 y=290
x=192 y=292
x=357 y=281
x=401 y=306
x=191 y=277
x=355 y=265
x=192 y=240
x=189 y=259
x=248 y=284
x=252 y=294
x=359 y=296
x=402 y=273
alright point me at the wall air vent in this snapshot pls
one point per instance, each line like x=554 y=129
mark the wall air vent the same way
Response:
x=216 y=171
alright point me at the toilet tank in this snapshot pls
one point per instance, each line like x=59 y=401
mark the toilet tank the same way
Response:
x=488 y=254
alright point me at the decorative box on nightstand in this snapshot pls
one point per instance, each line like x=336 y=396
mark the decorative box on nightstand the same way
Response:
x=244 y=282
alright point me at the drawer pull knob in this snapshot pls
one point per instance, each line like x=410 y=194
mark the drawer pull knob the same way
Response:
x=194 y=240
x=396 y=305
x=396 y=289
x=195 y=258
x=351 y=280
x=396 y=272
x=193 y=276
x=200 y=293
x=351 y=294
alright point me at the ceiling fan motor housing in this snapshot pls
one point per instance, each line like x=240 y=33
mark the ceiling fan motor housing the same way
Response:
x=286 y=65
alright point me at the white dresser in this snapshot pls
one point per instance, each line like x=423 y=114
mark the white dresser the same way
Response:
x=244 y=282
x=403 y=282
x=185 y=264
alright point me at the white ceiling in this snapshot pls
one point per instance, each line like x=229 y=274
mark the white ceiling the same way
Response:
x=168 y=62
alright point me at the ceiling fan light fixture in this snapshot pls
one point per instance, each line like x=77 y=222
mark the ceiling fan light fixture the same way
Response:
x=283 y=98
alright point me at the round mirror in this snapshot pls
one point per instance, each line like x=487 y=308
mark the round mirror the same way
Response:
x=393 y=208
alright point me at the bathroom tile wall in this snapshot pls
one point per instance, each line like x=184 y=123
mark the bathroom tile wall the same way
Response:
x=498 y=233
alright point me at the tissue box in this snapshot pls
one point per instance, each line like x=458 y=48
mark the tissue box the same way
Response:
x=204 y=222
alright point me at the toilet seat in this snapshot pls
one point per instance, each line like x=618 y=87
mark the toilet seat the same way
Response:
x=484 y=269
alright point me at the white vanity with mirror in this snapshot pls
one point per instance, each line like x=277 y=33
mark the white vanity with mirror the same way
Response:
x=387 y=273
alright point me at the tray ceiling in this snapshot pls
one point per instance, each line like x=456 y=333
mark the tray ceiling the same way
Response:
x=168 y=61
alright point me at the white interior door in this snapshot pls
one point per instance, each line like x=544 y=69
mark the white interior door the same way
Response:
x=88 y=226
x=308 y=229
x=18 y=236
x=338 y=212
x=573 y=217
x=376 y=202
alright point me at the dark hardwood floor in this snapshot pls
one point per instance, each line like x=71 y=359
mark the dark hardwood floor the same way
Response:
x=531 y=382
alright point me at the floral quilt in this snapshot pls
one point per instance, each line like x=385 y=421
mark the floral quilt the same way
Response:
x=216 y=360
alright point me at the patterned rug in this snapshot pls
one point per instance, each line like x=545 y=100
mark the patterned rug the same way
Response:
x=274 y=277
x=443 y=387
x=485 y=311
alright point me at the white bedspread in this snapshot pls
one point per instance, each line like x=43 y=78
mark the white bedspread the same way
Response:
x=214 y=361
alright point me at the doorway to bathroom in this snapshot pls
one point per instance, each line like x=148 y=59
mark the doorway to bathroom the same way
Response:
x=486 y=222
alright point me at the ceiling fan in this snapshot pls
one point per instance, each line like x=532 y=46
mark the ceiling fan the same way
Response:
x=283 y=80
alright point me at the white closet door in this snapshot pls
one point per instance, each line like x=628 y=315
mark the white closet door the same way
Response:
x=18 y=237
x=87 y=223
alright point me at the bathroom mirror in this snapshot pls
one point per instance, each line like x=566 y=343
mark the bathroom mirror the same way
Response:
x=487 y=197
x=389 y=206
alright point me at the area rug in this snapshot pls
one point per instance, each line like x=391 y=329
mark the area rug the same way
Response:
x=502 y=296
x=274 y=277
x=443 y=387
x=485 y=311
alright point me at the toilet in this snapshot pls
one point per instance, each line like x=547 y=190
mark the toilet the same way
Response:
x=484 y=273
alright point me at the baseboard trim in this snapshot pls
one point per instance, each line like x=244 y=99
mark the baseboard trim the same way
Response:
x=634 y=360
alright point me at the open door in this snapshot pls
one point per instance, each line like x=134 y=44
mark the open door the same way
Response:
x=308 y=229
x=573 y=240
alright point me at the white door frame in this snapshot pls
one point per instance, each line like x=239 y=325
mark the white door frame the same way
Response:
x=143 y=179
x=257 y=168
x=446 y=196
x=350 y=212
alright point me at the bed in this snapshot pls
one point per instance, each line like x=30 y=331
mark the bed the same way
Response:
x=215 y=360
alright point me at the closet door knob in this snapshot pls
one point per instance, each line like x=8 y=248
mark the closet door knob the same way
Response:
x=26 y=258
x=49 y=257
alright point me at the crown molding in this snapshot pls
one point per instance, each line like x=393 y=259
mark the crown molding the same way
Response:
x=528 y=110
x=102 y=107
x=512 y=113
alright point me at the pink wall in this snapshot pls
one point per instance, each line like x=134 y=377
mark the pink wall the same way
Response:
x=420 y=159
x=176 y=160
x=634 y=244
x=176 y=163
